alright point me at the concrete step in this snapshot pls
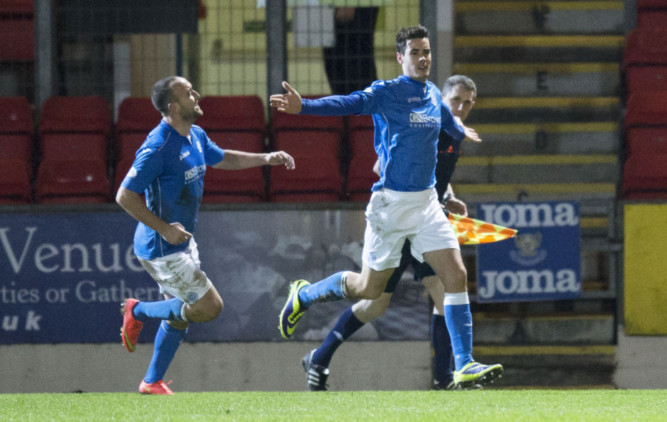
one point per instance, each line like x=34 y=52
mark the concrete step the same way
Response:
x=538 y=48
x=545 y=109
x=543 y=79
x=583 y=192
x=523 y=17
x=576 y=366
x=537 y=169
x=593 y=329
x=544 y=138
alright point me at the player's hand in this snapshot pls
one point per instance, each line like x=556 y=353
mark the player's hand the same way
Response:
x=175 y=234
x=280 y=157
x=289 y=102
x=456 y=206
x=471 y=134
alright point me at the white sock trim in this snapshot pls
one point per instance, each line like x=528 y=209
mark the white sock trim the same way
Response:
x=457 y=299
x=343 y=285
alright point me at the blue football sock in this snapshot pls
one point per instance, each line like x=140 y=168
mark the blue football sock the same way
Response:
x=346 y=325
x=459 y=325
x=167 y=341
x=169 y=309
x=328 y=290
x=442 y=351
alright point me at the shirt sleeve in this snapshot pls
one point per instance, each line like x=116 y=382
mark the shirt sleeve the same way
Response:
x=146 y=167
x=213 y=154
x=449 y=125
x=334 y=105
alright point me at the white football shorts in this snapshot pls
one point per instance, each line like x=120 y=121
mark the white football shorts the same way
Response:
x=392 y=217
x=179 y=275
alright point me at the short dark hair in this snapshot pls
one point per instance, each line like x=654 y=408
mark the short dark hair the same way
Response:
x=409 y=33
x=468 y=84
x=162 y=94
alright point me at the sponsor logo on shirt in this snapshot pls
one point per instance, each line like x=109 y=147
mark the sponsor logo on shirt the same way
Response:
x=194 y=173
x=413 y=99
x=423 y=120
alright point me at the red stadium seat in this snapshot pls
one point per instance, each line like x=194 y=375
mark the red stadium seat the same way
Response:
x=651 y=14
x=242 y=141
x=75 y=114
x=17 y=147
x=646 y=78
x=69 y=182
x=236 y=185
x=234 y=122
x=71 y=146
x=644 y=174
x=646 y=109
x=360 y=174
x=232 y=113
x=359 y=122
x=652 y=18
x=651 y=4
x=233 y=185
x=16 y=131
x=645 y=46
x=317 y=176
x=137 y=114
x=73 y=140
x=647 y=140
x=121 y=169
x=16 y=116
x=315 y=143
x=14 y=182
x=128 y=143
x=17 y=6
x=136 y=118
x=305 y=197
x=284 y=121
x=17 y=30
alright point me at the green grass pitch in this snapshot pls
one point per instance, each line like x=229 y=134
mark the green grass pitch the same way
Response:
x=486 y=405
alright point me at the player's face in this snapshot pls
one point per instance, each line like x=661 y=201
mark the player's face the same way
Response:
x=416 y=59
x=187 y=100
x=460 y=101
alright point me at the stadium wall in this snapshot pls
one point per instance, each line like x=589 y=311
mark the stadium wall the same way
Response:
x=64 y=368
x=275 y=366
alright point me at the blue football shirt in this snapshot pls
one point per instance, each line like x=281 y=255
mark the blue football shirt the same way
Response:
x=408 y=116
x=169 y=169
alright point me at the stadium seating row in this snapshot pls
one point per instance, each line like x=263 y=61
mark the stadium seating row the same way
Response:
x=17 y=30
x=645 y=71
x=79 y=156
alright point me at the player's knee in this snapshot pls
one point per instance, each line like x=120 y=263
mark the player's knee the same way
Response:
x=205 y=311
x=460 y=276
